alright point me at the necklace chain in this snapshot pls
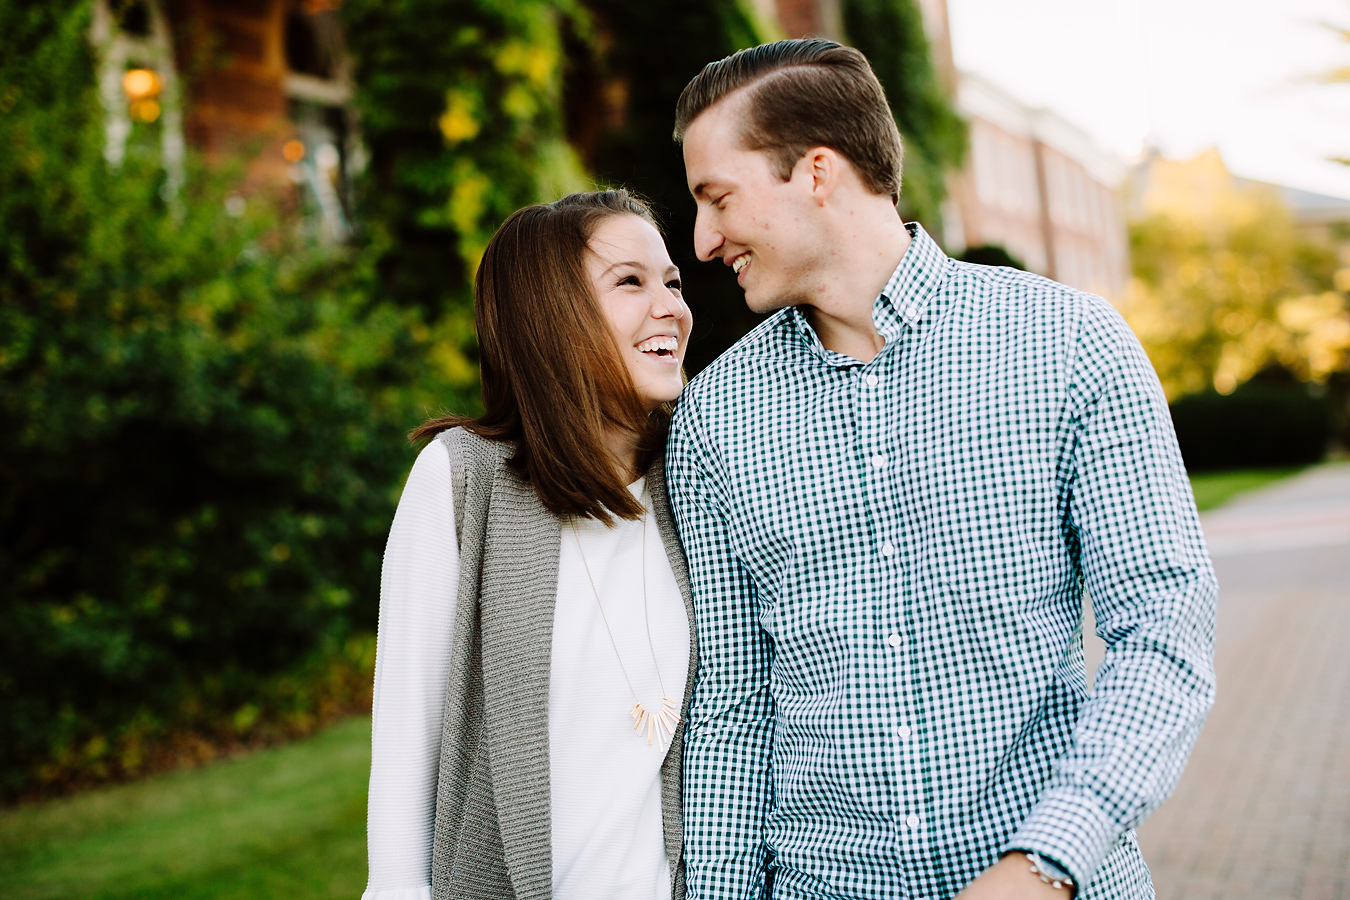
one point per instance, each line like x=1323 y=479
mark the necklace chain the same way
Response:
x=664 y=723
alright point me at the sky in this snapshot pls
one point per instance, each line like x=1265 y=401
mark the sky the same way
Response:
x=1184 y=75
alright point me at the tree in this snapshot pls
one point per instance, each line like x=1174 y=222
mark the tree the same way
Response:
x=1225 y=285
x=1340 y=74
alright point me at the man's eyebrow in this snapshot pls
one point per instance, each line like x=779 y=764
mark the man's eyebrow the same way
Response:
x=699 y=189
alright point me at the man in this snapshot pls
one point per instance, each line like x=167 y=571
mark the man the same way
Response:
x=893 y=494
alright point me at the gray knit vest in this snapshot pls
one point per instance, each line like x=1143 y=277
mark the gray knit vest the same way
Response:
x=493 y=823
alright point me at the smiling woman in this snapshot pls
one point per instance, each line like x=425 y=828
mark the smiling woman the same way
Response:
x=564 y=294
x=638 y=289
x=529 y=701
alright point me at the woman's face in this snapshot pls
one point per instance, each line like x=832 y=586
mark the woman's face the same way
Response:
x=638 y=289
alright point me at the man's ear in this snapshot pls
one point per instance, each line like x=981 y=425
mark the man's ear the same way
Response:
x=824 y=166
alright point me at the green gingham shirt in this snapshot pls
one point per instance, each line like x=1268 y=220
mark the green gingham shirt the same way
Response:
x=888 y=563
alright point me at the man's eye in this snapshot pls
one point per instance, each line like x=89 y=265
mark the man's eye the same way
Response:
x=721 y=202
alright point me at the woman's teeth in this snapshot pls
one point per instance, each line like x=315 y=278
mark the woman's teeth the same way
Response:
x=740 y=262
x=659 y=344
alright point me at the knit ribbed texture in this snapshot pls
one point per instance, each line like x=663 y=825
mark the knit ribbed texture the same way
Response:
x=492 y=833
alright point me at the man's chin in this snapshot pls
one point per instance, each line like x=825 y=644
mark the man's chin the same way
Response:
x=763 y=303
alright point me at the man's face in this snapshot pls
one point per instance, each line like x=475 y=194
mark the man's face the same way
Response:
x=748 y=217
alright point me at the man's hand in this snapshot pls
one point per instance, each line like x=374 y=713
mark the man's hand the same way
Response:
x=1010 y=879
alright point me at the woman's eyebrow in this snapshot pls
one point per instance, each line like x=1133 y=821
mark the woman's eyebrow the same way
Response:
x=626 y=262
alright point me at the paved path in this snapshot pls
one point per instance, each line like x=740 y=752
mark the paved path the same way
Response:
x=1263 y=809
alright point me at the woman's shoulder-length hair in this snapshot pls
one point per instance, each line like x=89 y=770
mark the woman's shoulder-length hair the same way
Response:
x=552 y=378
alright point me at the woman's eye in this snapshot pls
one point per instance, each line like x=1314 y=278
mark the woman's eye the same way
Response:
x=630 y=279
x=675 y=285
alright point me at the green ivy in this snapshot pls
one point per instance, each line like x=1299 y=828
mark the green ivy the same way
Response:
x=460 y=107
x=891 y=34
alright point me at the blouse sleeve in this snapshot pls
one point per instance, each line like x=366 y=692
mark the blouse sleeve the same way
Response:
x=418 y=592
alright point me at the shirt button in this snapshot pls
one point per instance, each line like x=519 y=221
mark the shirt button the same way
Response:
x=888 y=549
x=902 y=731
x=872 y=380
x=912 y=821
x=879 y=461
x=895 y=640
x=911 y=311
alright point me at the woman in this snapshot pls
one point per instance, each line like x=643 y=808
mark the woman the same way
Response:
x=535 y=655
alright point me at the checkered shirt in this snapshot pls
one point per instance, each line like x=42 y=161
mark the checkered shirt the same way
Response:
x=889 y=562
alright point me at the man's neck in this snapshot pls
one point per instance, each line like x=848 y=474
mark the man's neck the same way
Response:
x=841 y=310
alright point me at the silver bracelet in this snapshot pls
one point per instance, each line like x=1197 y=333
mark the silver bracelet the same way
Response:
x=1048 y=872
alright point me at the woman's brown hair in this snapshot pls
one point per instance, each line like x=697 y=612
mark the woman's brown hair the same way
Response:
x=553 y=381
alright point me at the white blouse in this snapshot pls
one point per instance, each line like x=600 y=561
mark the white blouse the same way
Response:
x=605 y=779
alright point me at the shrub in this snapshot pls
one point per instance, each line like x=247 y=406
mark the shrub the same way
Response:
x=1261 y=424
x=990 y=255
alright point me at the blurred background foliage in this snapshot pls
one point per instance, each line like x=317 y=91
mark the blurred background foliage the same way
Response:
x=202 y=405
x=1225 y=285
x=1245 y=317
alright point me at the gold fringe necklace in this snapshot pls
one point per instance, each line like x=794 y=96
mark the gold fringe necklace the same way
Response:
x=662 y=725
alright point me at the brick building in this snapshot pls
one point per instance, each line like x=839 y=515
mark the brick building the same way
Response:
x=1035 y=185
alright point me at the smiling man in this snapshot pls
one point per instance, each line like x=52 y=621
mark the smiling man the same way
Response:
x=893 y=495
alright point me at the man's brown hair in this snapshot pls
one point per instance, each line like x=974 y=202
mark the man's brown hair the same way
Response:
x=803 y=94
x=553 y=380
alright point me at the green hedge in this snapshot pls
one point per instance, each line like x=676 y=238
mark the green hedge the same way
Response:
x=1261 y=424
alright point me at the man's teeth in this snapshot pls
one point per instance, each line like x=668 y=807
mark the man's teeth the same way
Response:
x=740 y=263
x=655 y=344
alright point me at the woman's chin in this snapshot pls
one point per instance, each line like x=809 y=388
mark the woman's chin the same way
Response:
x=653 y=396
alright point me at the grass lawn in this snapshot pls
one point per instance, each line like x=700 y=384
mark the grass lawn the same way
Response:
x=285 y=823
x=1214 y=489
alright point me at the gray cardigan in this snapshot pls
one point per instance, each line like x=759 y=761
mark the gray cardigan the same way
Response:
x=493 y=823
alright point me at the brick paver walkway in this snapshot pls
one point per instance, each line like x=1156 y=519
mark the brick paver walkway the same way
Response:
x=1263 y=809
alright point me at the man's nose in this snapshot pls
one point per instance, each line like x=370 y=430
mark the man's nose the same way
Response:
x=707 y=241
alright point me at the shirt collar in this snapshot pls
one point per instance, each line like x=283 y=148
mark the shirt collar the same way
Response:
x=903 y=302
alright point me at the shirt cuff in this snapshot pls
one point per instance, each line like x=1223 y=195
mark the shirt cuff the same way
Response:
x=1069 y=827
x=417 y=893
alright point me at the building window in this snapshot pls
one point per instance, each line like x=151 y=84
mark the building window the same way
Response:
x=138 y=85
x=325 y=154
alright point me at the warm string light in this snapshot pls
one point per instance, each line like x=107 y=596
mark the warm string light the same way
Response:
x=143 y=87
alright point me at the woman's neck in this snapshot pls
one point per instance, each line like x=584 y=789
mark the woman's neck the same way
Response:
x=623 y=449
